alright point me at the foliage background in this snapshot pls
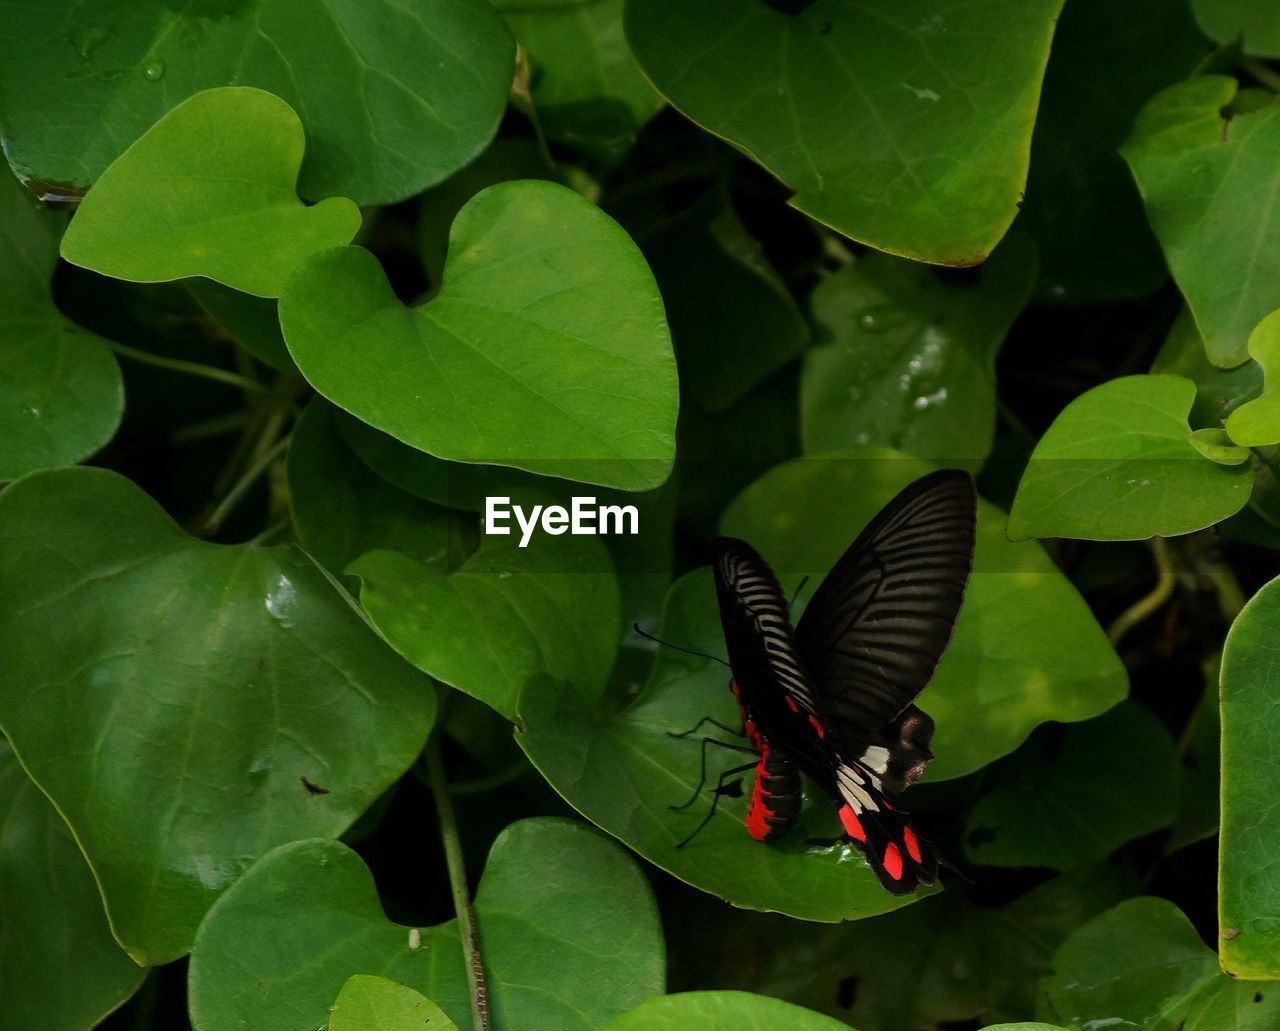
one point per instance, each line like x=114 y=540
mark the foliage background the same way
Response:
x=288 y=287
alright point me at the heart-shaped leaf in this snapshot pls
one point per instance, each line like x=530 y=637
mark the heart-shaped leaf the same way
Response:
x=546 y=349
x=1142 y=964
x=61 y=395
x=1206 y=176
x=1257 y=423
x=909 y=134
x=1255 y=26
x=568 y=931
x=162 y=212
x=186 y=706
x=908 y=359
x=1118 y=464
x=1217 y=446
x=1058 y=806
x=588 y=92
x=507 y=614
x=394 y=97
x=60 y=969
x=369 y=1003
x=1002 y=674
x=1248 y=895
x=721 y=1011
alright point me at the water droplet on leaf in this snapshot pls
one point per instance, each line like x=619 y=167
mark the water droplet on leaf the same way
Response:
x=153 y=70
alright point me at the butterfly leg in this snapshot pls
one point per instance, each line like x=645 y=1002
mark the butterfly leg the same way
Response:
x=715 y=798
x=702 y=775
x=736 y=732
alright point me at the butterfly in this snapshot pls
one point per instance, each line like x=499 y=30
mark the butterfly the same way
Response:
x=834 y=697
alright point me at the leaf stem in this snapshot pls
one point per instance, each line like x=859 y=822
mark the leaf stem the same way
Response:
x=188 y=368
x=1166 y=580
x=233 y=497
x=458 y=879
x=491 y=782
x=1263 y=72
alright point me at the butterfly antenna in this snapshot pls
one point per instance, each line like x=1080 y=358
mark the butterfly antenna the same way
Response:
x=942 y=862
x=796 y=593
x=676 y=647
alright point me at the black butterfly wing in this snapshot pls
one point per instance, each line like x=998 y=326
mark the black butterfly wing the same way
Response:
x=901 y=860
x=757 y=632
x=874 y=631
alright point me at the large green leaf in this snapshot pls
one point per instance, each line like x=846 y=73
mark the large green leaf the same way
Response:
x=395 y=96
x=1256 y=26
x=1118 y=464
x=61 y=395
x=1208 y=177
x=1001 y=677
x=568 y=930
x=161 y=212
x=906 y=130
x=908 y=357
x=1248 y=891
x=370 y=1003
x=1108 y=59
x=60 y=969
x=1143 y=965
x=546 y=349
x=508 y=614
x=186 y=706
x=1003 y=673
x=588 y=92
x=1074 y=801
x=341 y=509
x=721 y=1011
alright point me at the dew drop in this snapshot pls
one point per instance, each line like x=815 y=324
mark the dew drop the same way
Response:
x=929 y=400
x=153 y=71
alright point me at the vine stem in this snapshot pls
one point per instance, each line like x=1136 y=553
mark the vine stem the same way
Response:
x=233 y=496
x=1166 y=580
x=1263 y=72
x=458 y=883
x=188 y=368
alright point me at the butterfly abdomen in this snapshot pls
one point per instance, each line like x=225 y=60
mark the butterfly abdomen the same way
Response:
x=776 y=796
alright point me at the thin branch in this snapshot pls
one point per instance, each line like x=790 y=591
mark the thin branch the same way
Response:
x=188 y=368
x=1166 y=580
x=233 y=497
x=458 y=884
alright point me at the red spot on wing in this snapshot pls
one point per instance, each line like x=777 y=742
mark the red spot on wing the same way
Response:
x=758 y=813
x=913 y=846
x=852 y=825
x=791 y=704
x=813 y=722
x=893 y=861
x=733 y=686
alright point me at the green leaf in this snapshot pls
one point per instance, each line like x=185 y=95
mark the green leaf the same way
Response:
x=588 y=92
x=253 y=322
x=1247 y=889
x=341 y=509
x=60 y=969
x=1218 y=447
x=1002 y=674
x=369 y=1003
x=160 y=212
x=732 y=317
x=568 y=931
x=508 y=614
x=910 y=133
x=179 y=701
x=721 y=1011
x=1142 y=964
x=394 y=97
x=546 y=350
x=1256 y=26
x=61 y=394
x=1076 y=800
x=908 y=357
x=1207 y=177
x=1257 y=423
x=1082 y=206
x=1118 y=464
